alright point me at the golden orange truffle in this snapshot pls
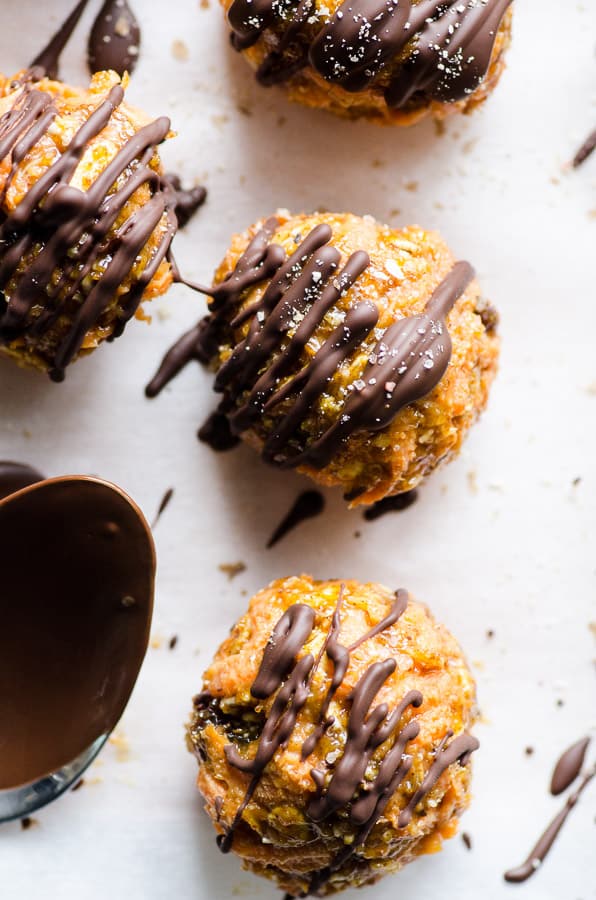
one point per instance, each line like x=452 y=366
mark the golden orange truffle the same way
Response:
x=357 y=353
x=332 y=734
x=86 y=219
x=390 y=62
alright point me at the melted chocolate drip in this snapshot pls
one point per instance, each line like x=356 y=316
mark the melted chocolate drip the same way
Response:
x=165 y=502
x=217 y=435
x=47 y=62
x=308 y=505
x=569 y=767
x=75 y=624
x=586 y=150
x=115 y=39
x=368 y=727
x=391 y=504
x=447 y=44
x=72 y=227
x=566 y=771
x=262 y=372
x=187 y=200
x=16 y=476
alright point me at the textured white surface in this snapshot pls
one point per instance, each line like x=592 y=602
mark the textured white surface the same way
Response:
x=500 y=540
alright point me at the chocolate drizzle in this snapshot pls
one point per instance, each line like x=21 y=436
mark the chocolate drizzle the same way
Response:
x=16 y=476
x=567 y=770
x=74 y=229
x=115 y=38
x=75 y=622
x=306 y=506
x=187 y=200
x=289 y=678
x=585 y=151
x=47 y=62
x=398 y=503
x=263 y=375
x=435 y=49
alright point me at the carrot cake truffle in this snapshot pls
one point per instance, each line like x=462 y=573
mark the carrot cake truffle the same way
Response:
x=357 y=353
x=332 y=734
x=393 y=61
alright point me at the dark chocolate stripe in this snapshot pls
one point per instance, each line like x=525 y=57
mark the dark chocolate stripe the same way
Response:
x=447 y=44
x=261 y=375
x=289 y=678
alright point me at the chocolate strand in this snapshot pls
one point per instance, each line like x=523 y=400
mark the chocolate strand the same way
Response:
x=47 y=62
x=306 y=506
x=289 y=679
x=408 y=361
x=76 y=223
x=569 y=767
x=450 y=44
x=585 y=151
x=115 y=39
x=540 y=851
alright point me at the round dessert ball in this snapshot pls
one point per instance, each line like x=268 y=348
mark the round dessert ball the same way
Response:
x=357 y=353
x=87 y=219
x=392 y=62
x=332 y=734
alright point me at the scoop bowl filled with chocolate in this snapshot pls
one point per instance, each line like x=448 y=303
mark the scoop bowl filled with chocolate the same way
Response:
x=78 y=567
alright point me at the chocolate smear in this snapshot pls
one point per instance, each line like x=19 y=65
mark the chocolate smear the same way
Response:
x=569 y=766
x=78 y=572
x=308 y=505
x=216 y=433
x=165 y=502
x=566 y=771
x=47 y=62
x=16 y=476
x=188 y=200
x=391 y=504
x=586 y=150
x=115 y=39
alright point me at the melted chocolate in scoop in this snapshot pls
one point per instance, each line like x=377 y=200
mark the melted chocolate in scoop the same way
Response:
x=16 y=476
x=115 y=38
x=78 y=571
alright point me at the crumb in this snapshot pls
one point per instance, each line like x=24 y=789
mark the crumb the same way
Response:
x=467 y=840
x=78 y=785
x=28 y=823
x=357 y=534
x=204 y=4
x=232 y=569
x=411 y=186
x=472 y=482
x=180 y=51
x=439 y=127
x=529 y=751
x=120 y=743
x=560 y=703
x=244 y=109
x=281 y=120
x=478 y=664
x=592 y=628
x=469 y=146
x=155 y=642
x=591 y=389
x=592 y=214
x=490 y=634
x=395 y=212
x=377 y=164
x=128 y=601
x=576 y=481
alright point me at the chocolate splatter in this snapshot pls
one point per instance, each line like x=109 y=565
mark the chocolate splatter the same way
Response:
x=565 y=773
x=15 y=476
x=47 y=62
x=467 y=840
x=443 y=47
x=308 y=505
x=115 y=39
x=166 y=500
x=586 y=150
x=91 y=550
x=187 y=200
x=37 y=238
x=407 y=361
x=390 y=504
x=173 y=642
x=289 y=679
x=569 y=767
